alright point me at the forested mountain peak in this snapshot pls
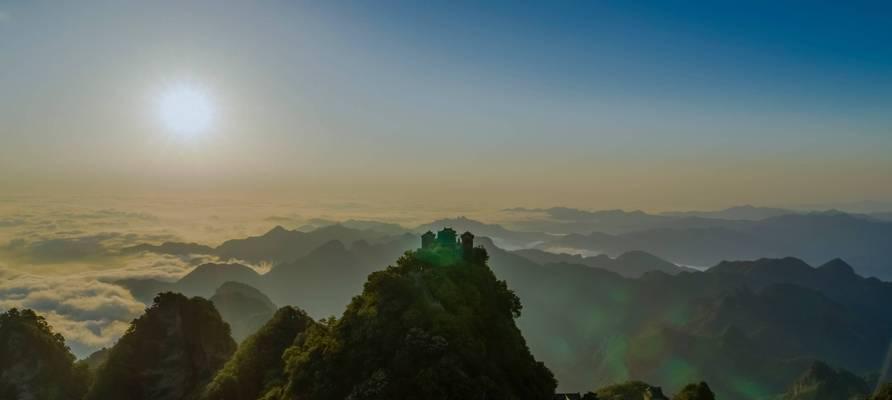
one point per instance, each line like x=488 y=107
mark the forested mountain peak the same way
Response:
x=35 y=363
x=169 y=353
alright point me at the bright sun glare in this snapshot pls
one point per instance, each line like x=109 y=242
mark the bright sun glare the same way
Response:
x=185 y=110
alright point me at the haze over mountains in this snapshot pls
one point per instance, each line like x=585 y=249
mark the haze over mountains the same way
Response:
x=703 y=239
x=749 y=328
x=635 y=315
x=631 y=306
x=698 y=239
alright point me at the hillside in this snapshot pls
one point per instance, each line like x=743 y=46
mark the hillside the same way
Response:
x=695 y=325
x=169 y=353
x=257 y=366
x=35 y=364
x=434 y=326
x=243 y=307
x=784 y=311
x=821 y=382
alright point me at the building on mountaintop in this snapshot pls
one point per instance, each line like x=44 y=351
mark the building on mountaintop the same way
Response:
x=427 y=240
x=467 y=243
x=448 y=239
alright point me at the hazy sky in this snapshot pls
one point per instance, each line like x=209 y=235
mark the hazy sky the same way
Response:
x=654 y=105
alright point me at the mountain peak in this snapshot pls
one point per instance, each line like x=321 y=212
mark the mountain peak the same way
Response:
x=278 y=230
x=786 y=264
x=837 y=266
x=213 y=268
x=332 y=246
x=229 y=288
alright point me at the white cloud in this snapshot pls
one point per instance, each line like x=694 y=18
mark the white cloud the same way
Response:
x=87 y=308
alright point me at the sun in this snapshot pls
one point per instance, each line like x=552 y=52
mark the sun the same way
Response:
x=186 y=110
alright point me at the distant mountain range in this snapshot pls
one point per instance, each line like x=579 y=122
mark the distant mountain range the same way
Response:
x=864 y=242
x=744 y=213
x=883 y=216
x=687 y=239
x=322 y=279
x=276 y=246
x=748 y=328
x=597 y=320
x=632 y=264
x=563 y=220
x=502 y=236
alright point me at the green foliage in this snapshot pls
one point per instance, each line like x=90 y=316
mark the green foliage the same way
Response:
x=35 y=363
x=695 y=391
x=421 y=329
x=258 y=364
x=884 y=392
x=169 y=353
x=95 y=360
x=632 y=390
x=822 y=382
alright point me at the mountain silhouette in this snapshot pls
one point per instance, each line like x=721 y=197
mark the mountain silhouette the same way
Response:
x=765 y=320
x=420 y=329
x=785 y=312
x=258 y=365
x=169 y=353
x=243 y=307
x=745 y=213
x=821 y=382
x=632 y=264
x=276 y=246
x=863 y=241
x=816 y=237
x=34 y=361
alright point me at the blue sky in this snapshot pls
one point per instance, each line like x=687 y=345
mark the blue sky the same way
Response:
x=793 y=50
x=768 y=102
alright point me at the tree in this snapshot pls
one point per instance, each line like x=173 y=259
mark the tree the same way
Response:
x=884 y=392
x=258 y=365
x=431 y=327
x=695 y=391
x=631 y=390
x=35 y=363
x=169 y=353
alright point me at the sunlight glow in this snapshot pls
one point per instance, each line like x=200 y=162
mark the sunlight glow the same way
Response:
x=185 y=110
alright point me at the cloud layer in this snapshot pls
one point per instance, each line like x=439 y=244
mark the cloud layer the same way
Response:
x=61 y=256
x=88 y=308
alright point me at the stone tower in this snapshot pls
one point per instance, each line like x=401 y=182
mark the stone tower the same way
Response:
x=447 y=238
x=467 y=244
x=427 y=240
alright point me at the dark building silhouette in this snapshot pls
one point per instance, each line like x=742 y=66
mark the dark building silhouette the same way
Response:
x=467 y=244
x=427 y=240
x=447 y=237
x=447 y=243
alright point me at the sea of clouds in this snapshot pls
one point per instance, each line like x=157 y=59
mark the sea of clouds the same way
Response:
x=61 y=256
x=63 y=262
x=88 y=308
